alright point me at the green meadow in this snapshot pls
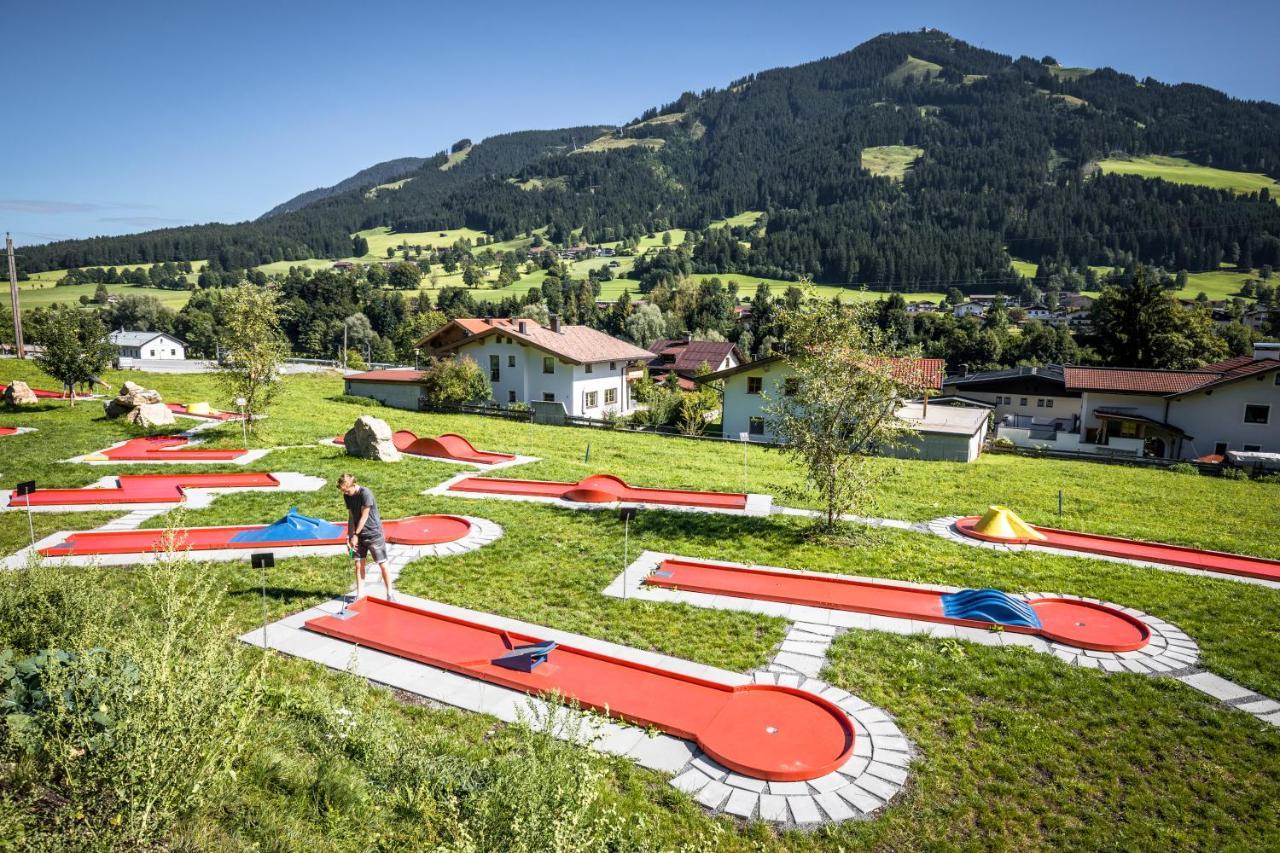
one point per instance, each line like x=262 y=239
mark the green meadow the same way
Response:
x=1181 y=171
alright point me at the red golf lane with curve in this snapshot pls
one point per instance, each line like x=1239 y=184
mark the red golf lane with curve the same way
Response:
x=415 y=530
x=144 y=489
x=1131 y=549
x=764 y=731
x=1077 y=623
x=450 y=445
x=8 y=430
x=169 y=448
x=600 y=488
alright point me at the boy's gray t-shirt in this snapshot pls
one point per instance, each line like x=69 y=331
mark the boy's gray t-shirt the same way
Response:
x=373 y=524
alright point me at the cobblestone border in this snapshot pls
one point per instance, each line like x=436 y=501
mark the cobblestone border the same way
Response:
x=946 y=528
x=479 y=466
x=757 y=505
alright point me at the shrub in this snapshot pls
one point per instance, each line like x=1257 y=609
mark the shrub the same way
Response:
x=453 y=382
x=1003 y=442
x=1183 y=468
x=1235 y=474
x=357 y=400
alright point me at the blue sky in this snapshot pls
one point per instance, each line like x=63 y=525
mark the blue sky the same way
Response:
x=135 y=115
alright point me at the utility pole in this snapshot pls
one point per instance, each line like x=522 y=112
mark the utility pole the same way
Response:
x=344 y=344
x=18 y=348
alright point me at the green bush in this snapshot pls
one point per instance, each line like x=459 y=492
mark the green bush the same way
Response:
x=1235 y=474
x=1183 y=468
x=1002 y=442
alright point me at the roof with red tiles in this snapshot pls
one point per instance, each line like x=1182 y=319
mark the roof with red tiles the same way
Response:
x=688 y=356
x=1165 y=383
x=924 y=372
x=392 y=375
x=577 y=344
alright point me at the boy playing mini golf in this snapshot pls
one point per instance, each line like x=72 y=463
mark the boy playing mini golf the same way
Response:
x=364 y=531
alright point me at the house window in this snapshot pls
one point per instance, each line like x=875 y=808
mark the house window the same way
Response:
x=511 y=361
x=754 y=384
x=173 y=352
x=610 y=396
x=1024 y=401
x=153 y=353
x=1221 y=448
x=548 y=397
x=1278 y=377
x=548 y=364
x=1040 y=403
x=1048 y=403
x=1008 y=401
x=1255 y=413
x=588 y=367
x=493 y=368
x=590 y=399
x=1253 y=448
x=790 y=386
x=613 y=365
x=755 y=426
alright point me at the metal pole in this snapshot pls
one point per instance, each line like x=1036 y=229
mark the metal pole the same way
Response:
x=1059 y=501
x=31 y=528
x=264 y=606
x=344 y=344
x=18 y=348
x=626 y=546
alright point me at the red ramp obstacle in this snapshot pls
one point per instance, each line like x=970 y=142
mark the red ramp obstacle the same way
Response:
x=291 y=531
x=1076 y=623
x=598 y=489
x=167 y=448
x=763 y=731
x=450 y=445
x=143 y=489
x=1130 y=549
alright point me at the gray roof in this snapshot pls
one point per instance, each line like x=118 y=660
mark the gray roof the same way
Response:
x=1051 y=372
x=137 y=339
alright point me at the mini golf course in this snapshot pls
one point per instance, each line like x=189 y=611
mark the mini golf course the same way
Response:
x=599 y=489
x=449 y=445
x=294 y=530
x=764 y=731
x=142 y=489
x=1000 y=525
x=1077 y=623
x=164 y=448
x=9 y=430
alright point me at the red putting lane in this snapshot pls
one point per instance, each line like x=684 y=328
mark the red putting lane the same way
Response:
x=8 y=430
x=48 y=395
x=764 y=731
x=144 y=489
x=415 y=530
x=1151 y=552
x=168 y=448
x=450 y=445
x=600 y=488
x=1078 y=623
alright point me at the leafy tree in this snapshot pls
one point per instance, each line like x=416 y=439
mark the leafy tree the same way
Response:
x=359 y=246
x=1140 y=325
x=840 y=405
x=645 y=325
x=454 y=382
x=253 y=347
x=76 y=345
x=405 y=276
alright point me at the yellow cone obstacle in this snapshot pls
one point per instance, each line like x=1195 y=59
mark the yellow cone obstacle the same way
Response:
x=1000 y=522
x=199 y=409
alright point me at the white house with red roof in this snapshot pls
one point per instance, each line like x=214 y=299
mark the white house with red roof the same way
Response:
x=686 y=357
x=953 y=433
x=579 y=367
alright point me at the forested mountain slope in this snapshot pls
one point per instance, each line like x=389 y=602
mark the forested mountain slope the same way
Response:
x=1006 y=168
x=390 y=170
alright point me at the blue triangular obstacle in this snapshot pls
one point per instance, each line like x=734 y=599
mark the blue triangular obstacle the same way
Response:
x=294 y=527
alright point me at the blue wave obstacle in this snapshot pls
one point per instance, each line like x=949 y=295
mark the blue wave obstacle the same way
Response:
x=989 y=605
x=294 y=527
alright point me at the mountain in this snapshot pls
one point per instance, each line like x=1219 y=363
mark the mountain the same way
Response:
x=913 y=162
x=380 y=173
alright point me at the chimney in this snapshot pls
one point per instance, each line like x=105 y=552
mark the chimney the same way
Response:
x=688 y=337
x=488 y=321
x=555 y=323
x=523 y=326
x=1266 y=350
x=964 y=370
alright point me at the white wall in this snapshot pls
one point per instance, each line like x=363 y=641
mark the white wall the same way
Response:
x=160 y=347
x=1217 y=415
x=398 y=395
x=569 y=383
x=740 y=407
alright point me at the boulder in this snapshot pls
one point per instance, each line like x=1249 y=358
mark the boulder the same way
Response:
x=132 y=396
x=370 y=438
x=20 y=394
x=150 y=415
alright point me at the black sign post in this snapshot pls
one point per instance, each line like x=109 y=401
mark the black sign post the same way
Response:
x=24 y=490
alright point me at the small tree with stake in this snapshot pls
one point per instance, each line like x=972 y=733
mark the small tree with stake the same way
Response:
x=252 y=348
x=838 y=405
x=75 y=346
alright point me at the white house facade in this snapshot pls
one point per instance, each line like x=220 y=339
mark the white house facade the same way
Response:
x=148 y=346
x=581 y=368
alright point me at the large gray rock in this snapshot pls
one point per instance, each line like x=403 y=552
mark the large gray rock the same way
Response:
x=371 y=438
x=132 y=397
x=20 y=394
x=150 y=415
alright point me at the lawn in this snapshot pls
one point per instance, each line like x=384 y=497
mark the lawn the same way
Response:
x=890 y=161
x=1181 y=171
x=1017 y=750
x=381 y=239
x=1219 y=284
x=44 y=294
x=911 y=67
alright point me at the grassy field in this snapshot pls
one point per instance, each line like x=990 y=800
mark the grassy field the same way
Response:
x=455 y=158
x=1181 y=171
x=609 y=142
x=1017 y=750
x=890 y=161
x=381 y=239
x=920 y=69
x=1220 y=284
x=1068 y=73
x=742 y=220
